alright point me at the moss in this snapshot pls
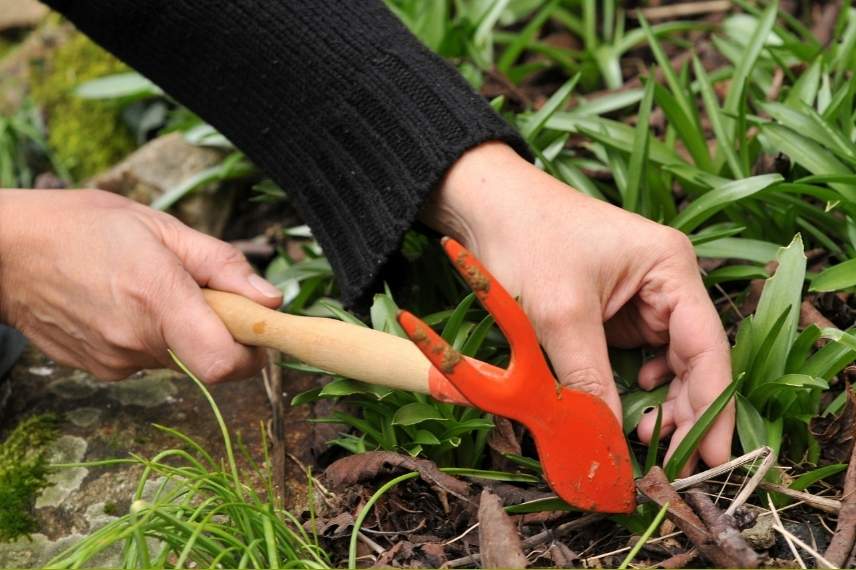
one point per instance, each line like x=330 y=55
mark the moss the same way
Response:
x=23 y=474
x=86 y=136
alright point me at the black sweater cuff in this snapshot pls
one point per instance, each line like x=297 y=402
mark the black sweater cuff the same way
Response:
x=336 y=101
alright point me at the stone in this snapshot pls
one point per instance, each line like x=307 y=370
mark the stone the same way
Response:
x=761 y=535
x=162 y=164
x=63 y=482
x=21 y=13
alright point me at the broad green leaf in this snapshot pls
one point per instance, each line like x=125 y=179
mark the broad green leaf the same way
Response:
x=612 y=133
x=234 y=166
x=782 y=292
x=845 y=338
x=343 y=387
x=829 y=360
x=809 y=478
x=715 y=232
x=343 y=315
x=424 y=437
x=305 y=397
x=634 y=403
x=802 y=348
x=651 y=454
x=718 y=198
x=576 y=179
x=130 y=85
x=805 y=121
x=835 y=278
x=804 y=90
x=751 y=429
x=690 y=442
x=807 y=154
x=738 y=248
x=761 y=394
x=384 y=315
x=416 y=413
x=607 y=103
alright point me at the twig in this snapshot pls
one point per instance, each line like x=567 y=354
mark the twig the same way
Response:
x=778 y=525
x=681 y=559
x=817 y=555
x=753 y=482
x=377 y=548
x=684 y=9
x=626 y=548
x=820 y=503
x=843 y=540
x=693 y=480
x=723 y=528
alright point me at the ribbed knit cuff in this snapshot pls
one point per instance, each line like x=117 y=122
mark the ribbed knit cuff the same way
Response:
x=336 y=101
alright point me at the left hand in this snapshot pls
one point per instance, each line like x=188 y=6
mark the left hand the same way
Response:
x=587 y=274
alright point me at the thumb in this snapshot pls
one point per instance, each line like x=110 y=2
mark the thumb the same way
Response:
x=218 y=265
x=578 y=352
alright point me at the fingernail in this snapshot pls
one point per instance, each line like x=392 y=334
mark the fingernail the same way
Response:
x=648 y=410
x=264 y=287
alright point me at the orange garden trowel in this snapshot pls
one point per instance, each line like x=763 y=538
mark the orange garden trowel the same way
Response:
x=580 y=443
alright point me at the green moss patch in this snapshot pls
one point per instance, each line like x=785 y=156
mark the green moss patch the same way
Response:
x=86 y=136
x=23 y=474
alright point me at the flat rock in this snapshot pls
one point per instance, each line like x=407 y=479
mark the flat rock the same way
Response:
x=162 y=164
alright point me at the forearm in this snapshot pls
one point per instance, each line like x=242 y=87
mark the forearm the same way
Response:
x=335 y=100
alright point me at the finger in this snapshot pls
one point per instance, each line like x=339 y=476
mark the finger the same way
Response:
x=198 y=337
x=699 y=353
x=655 y=372
x=579 y=356
x=680 y=433
x=216 y=264
x=645 y=429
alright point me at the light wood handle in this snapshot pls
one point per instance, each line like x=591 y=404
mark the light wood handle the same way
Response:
x=342 y=348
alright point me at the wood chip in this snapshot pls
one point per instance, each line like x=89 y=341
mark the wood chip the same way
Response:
x=499 y=541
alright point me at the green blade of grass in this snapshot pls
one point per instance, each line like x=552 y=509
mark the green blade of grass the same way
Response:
x=689 y=444
x=714 y=114
x=529 y=31
x=655 y=524
x=639 y=156
x=737 y=90
x=654 y=445
x=537 y=121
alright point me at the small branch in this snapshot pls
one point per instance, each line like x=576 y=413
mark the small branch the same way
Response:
x=821 y=503
x=684 y=9
x=753 y=483
x=724 y=529
x=681 y=559
x=656 y=486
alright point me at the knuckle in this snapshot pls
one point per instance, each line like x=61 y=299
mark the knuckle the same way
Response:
x=679 y=244
x=220 y=370
x=559 y=314
x=585 y=379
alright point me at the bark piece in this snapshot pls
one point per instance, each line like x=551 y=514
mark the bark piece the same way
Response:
x=724 y=529
x=499 y=541
x=844 y=539
x=680 y=560
x=365 y=466
x=655 y=485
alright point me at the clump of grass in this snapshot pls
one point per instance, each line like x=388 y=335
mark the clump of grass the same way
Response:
x=23 y=474
x=203 y=514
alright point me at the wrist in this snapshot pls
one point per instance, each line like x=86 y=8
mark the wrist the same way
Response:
x=476 y=192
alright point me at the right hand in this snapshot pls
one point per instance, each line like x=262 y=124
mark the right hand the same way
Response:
x=102 y=283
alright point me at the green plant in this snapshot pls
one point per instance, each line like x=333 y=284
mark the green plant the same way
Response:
x=202 y=514
x=396 y=420
x=23 y=473
x=23 y=148
x=86 y=136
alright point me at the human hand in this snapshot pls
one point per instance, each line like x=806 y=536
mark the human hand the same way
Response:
x=99 y=282
x=590 y=274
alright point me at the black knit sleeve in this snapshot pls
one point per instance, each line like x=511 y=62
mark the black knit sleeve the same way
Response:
x=335 y=100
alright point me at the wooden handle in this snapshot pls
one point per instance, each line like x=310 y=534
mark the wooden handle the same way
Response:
x=350 y=350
